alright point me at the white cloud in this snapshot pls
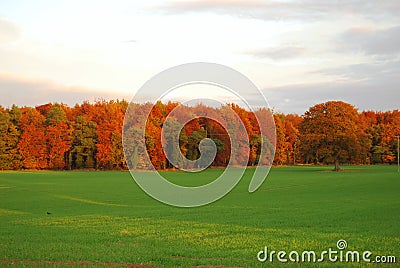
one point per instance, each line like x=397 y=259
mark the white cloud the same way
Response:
x=289 y=10
x=279 y=53
x=324 y=48
x=373 y=41
x=32 y=92
x=9 y=32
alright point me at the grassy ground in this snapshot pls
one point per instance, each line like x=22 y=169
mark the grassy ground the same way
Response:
x=104 y=219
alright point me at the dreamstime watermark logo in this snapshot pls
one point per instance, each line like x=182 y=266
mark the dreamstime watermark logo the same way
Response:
x=137 y=127
x=338 y=254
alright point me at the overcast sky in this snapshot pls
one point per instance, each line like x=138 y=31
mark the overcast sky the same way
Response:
x=298 y=53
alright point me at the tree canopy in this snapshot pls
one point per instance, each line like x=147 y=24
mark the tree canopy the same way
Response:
x=331 y=132
x=89 y=135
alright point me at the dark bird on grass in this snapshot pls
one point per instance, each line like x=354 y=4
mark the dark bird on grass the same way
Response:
x=48 y=213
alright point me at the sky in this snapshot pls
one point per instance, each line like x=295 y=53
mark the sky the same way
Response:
x=298 y=53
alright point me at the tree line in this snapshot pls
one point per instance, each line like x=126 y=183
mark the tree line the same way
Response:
x=89 y=135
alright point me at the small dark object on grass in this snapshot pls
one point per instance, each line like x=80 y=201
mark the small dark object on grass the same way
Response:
x=48 y=213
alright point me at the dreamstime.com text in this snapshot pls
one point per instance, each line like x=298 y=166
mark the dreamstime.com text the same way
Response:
x=339 y=254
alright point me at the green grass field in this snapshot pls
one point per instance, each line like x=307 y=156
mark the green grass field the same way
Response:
x=104 y=219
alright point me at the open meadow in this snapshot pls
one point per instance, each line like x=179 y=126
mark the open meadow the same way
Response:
x=104 y=219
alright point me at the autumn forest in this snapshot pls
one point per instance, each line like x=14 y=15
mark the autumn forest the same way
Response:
x=89 y=135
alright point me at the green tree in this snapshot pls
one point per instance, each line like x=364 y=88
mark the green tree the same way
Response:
x=193 y=152
x=173 y=142
x=58 y=137
x=55 y=115
x=9 y=136
x=15 y=113
x=135 y=149
x=83 y=145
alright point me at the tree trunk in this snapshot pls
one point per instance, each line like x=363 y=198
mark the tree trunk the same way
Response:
x=337 y=168
x=294 y=157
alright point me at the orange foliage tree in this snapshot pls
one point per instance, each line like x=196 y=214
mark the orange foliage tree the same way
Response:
x=331 y=133
x=109 y=119
x=32 y=144
x=56 y=136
